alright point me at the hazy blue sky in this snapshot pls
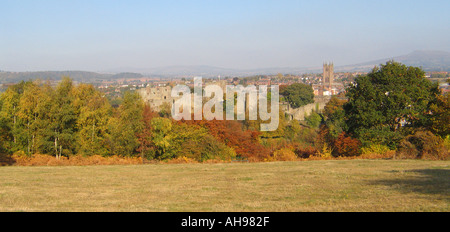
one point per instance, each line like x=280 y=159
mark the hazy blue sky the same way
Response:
x=103 y=35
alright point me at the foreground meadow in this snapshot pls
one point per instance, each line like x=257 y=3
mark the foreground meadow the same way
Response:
x=334 y=185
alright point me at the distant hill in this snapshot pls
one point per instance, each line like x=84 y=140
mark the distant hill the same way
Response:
x=428 y=60
x=194 y=70
x=211 y=71
x=80 y=76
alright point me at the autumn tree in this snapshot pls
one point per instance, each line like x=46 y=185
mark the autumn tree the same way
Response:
x=93 y=112
x=246 y=143
x=440 y=117
x=331 y=135
x=145 y=136
x=30 y=108
x=346 y=146
x=12 y=126
x=45 y=122
x=335 y=116
x=161 y=137
x=3 y=138
x=39 y=119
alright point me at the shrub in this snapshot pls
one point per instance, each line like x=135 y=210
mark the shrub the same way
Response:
x=6 y=159
x=375 y=148
x=326 y=152
x=284 y=154
x=447 y=142
x=422 y=145
x=377 y=151
x=182 y=160
x=38 y=160
x=388 y=155
x=76 y=160
x=206 y=148
x=347 y=146
x=305 y=152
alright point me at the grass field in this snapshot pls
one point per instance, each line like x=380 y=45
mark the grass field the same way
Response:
x=340 y=185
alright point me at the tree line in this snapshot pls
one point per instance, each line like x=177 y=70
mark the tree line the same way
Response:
x=68 y=120
x=394 y=107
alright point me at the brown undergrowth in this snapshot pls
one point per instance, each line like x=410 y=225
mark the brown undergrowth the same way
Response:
x=79 y=160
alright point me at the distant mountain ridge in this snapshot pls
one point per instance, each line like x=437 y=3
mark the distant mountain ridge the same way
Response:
x=212 y=71
x=428 y=60
x=80 y=76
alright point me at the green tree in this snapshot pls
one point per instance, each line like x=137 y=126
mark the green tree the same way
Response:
x=389 y=102
x=125 y=126
x=62 y=118
x=298 y=94
x=313 y=120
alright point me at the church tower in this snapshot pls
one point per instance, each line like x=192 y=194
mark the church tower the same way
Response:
x=328 y=76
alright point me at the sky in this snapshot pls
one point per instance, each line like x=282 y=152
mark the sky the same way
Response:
x=106 y=35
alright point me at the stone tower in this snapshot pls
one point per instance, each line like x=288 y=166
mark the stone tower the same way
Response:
x=328 y=76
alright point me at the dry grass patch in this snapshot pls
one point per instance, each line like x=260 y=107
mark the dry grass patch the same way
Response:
x=333 y=185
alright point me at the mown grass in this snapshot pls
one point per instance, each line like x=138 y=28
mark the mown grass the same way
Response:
x=334 y=185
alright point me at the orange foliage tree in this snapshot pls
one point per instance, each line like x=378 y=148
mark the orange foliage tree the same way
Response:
x=244 y=142
x=347 y=146
x=145 y=136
